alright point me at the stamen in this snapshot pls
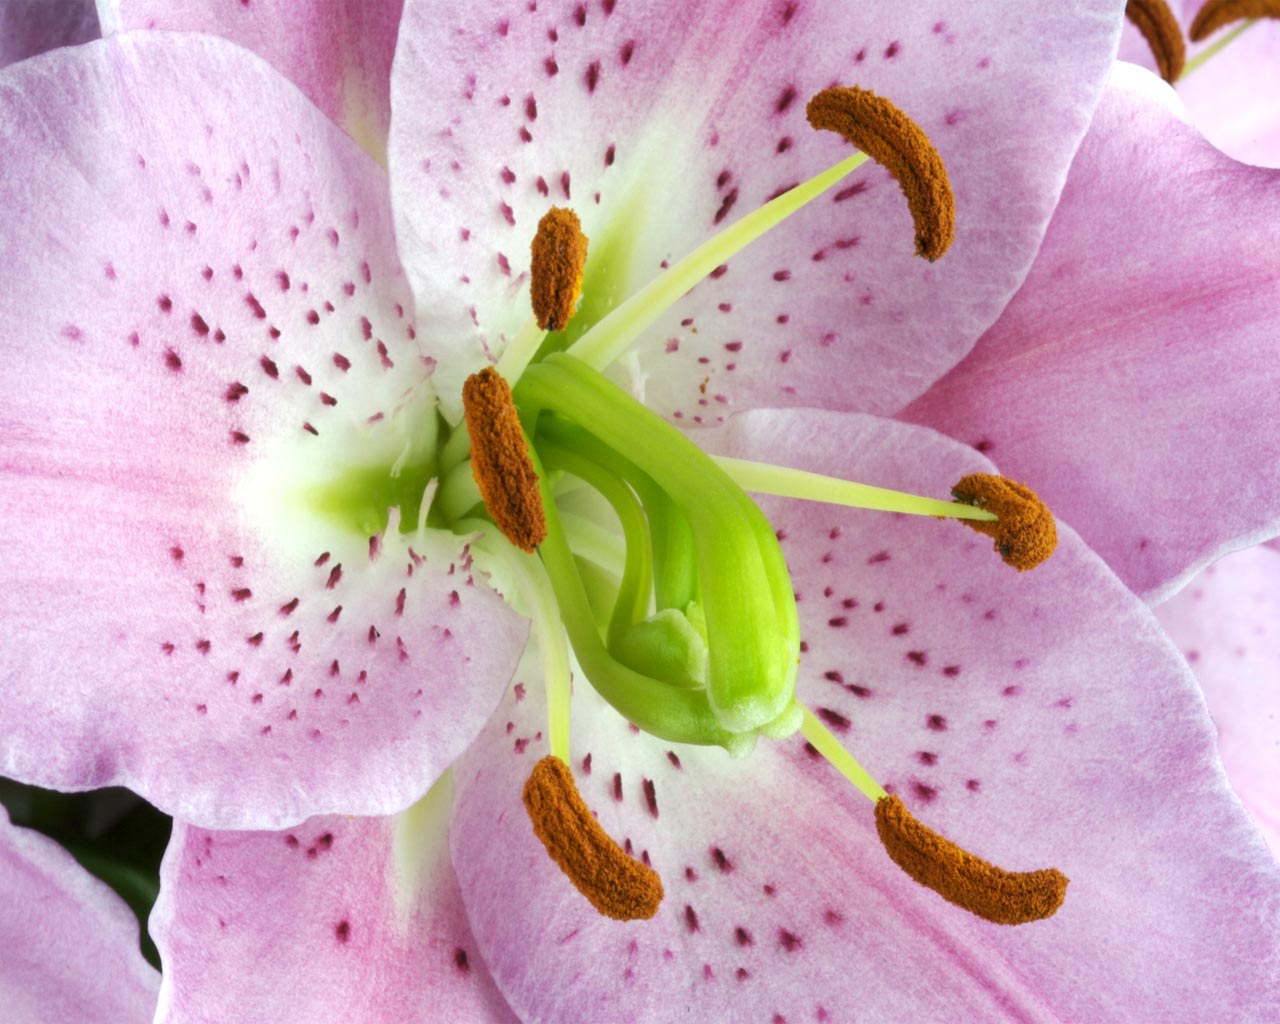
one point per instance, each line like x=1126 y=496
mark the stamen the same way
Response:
x=1025 y=533
x=615 y=884
x=1159 y=27
x=1003 y=897
x=891 y=138
x=1217 y=14
x=763 y=478
x=500 y=460
x=559 y=254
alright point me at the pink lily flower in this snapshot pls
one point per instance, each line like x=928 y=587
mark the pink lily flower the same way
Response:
x=1076 y=646
x=70 y=943
x=1231 y=75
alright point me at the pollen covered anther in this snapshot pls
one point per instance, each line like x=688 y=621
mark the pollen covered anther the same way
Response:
x=891 y=138
x=976 y=885
x=1025 y=533
x=1159 y=27
x=500 y=460
x=615 y=884
x=1218 y=14
x=559 y=251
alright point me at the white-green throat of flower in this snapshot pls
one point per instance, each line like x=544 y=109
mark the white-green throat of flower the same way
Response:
x=698 y=640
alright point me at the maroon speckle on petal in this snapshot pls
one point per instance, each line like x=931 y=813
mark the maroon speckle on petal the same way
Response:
x=460 y=960
x=834 y=719
x=343 y=931
x=650 y=796
x=918 y=658
x=617 y=786
x=592 y=76
x=742 y=937
x=253 y=303
x=721 y=860
x=690 y=918
x=726 y=204
x=936 y=723
x=785 y=99
x=925 y=794
x=627 y=51
x=789 y=940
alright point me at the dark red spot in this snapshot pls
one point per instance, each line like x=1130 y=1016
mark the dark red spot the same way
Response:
x=617 y=786
x=878 y=557
x=789 y=11
x=341 y=362
x=241 y=594
x=833 y=718
x=721 y=860
x=901 y=629
x=198 y=325
x=925 y=794
x=460 y=960
x=592 y=76
x=269 y=367
x=580 y=15
x=849 y=191
x=789 y=940
x=742 y=937
x=892 y=49
x=289 y=607
x=172 y=360
x=610 y=154
x=564 y=183
x=255 y=640
x=936 y=723
x=785 y=99
x=343 y=931
x=973 y=785
x=690 y=918
x=551 y=68
x=951 y=670
x=650 y=796
x=313 y=317
x=256 y=306
x=239 y=437
x=726 y=204
x=782 y=275
x=626 y=52
x=926 y=758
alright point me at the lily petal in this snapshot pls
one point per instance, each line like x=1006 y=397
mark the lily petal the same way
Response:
x=660 y=124
x=1134 y=381
x=1228 y=97
x=70 y=943
x=1038 y=719
x=30 y=27
x=363 y=918
x=208 y=362
x=337 y=52
x=1225 y=622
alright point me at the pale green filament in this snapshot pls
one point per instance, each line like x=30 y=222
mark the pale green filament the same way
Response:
x=594 y=542
x=762 y=478
x=521 y=351
x=1202 y=58
x=840 y=759
x=610 y=337
x=536 y=590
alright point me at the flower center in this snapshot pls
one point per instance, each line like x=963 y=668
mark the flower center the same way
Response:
x=691 y=632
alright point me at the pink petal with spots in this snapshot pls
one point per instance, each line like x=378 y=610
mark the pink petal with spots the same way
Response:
x=1039 y=719
x=362 y=917
x=1229 y=97
x=660 y=123
x=1134 y=382
x=70 y=943
x=30 y=27
x=338 y=52
x=1226 y=623
x=209 y=382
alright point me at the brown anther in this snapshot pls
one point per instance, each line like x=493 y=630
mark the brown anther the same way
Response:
x=617 y=886
x=500 y=460
x=1218 y=14
x=978 y=886
x=890 y=137
x=1159 y=27
x=1025 y=533
x=559 y=253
